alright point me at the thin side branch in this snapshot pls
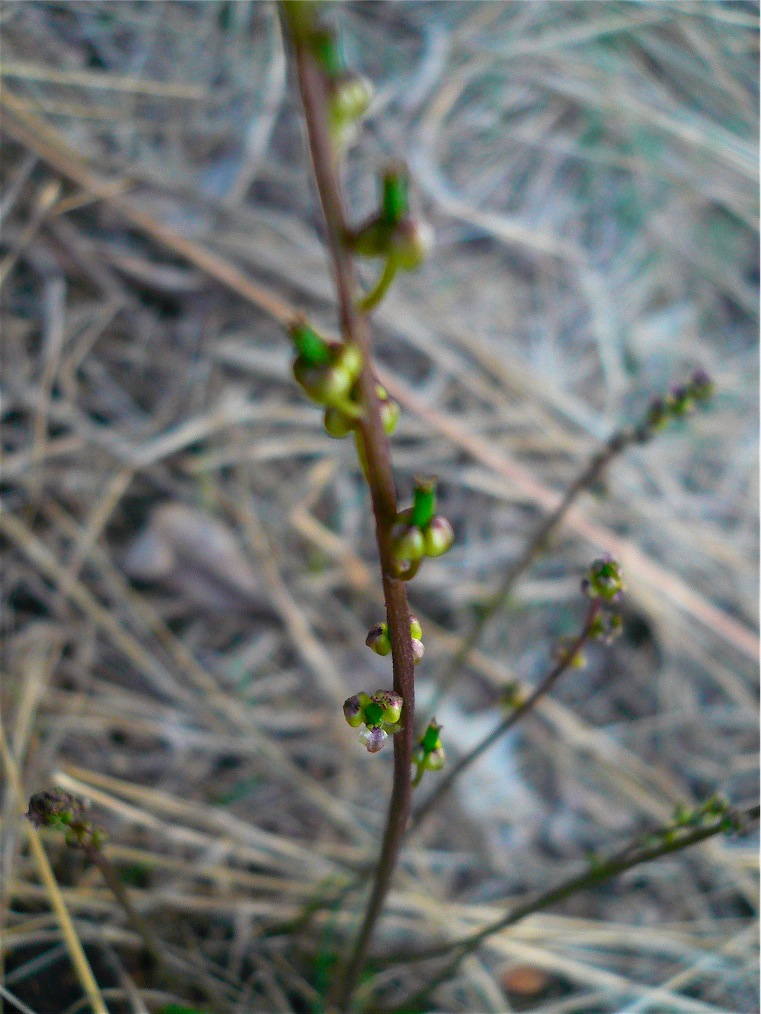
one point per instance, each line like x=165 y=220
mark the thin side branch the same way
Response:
x=647 y=848
x=543 y=688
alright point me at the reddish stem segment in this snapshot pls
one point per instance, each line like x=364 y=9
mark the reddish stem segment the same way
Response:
x=355 y=328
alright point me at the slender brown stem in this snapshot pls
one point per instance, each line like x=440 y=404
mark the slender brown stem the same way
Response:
x=355 y=328
x=543 y=688
x=136 y=920
x=665 y=841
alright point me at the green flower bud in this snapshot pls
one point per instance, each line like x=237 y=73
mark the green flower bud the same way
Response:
x=378 y=640
x=407 y=543
x=389 y=409
x=373 y=239
x=604 y=580
x=434 y=761
x=353 y=711
x=327 y=385
x=391 y=702
x=416 y=631
x=337 y=423
x=438 y=536
x=349 y=358
x=350 y=97
x=411 y=243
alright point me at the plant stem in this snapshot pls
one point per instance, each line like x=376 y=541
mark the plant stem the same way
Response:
x=626 y=858
x=117 y=888
x=355 y=328
x=544 y=687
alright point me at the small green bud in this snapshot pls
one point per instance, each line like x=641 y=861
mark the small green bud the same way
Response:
x=353 y=711
x=411 y=242
x=389 y=409
x=337 y=423
x=416 y=631
x=407 y=543
x=350 y=97
x=604 y=580
x=435 y=760
x=327 y=385
x=373 y=239
x=349 y=358
x=391 y=702
x=378 y=640
x=438 y=536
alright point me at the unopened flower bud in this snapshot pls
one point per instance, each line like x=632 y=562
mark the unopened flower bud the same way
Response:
x=350 y=96
x=418 y=650
x=438 y=536
x=373 y=739
x=435 y=760
x=407 y=543
x=416 y=631
x=604 y=579
x=391 y=702
x=378 y=640
x=337 y=423
x=353 y=712
x=412 y=241
x=389 y=412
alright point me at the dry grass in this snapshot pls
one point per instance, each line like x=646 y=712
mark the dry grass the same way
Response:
x=591 y=173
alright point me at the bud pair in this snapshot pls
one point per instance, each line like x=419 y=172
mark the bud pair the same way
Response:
x=379 y=714
x=419 y=531
x=340 y=424
x=327 y=371
x=379 y=641
x=393 y=234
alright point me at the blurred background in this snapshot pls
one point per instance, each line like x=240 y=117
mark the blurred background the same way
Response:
x=189 y=565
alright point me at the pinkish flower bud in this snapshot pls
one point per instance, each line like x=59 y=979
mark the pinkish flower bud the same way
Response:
x=373 y=739
x=438 y=536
